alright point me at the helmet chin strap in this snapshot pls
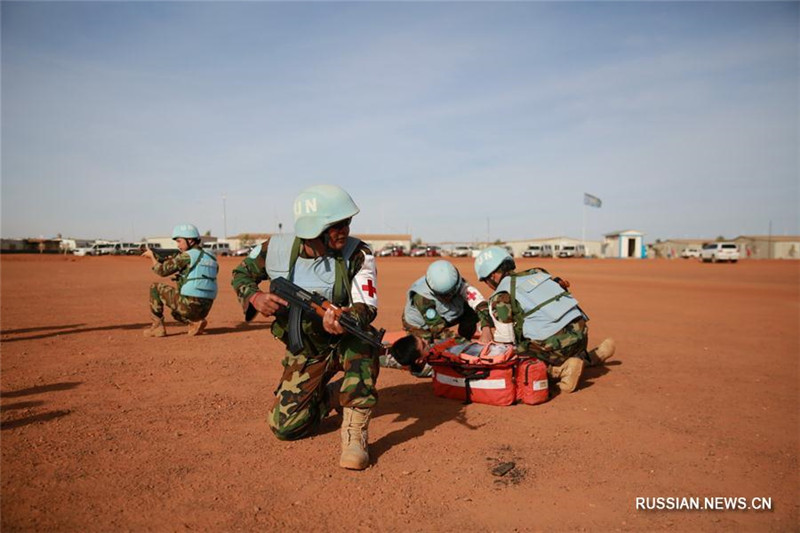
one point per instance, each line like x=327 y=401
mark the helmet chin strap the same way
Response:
x=312 y=245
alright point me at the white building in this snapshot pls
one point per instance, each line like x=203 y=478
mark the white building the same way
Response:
x=768 y=247
x=624 y=244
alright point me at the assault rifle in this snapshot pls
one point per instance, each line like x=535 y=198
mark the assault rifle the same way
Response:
x=302 y=301
x=161 y=254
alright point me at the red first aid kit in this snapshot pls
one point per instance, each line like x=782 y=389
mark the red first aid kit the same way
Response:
x=531 y=381
x=487 y=373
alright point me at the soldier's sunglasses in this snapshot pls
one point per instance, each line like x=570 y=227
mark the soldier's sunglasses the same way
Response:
x=341 y=224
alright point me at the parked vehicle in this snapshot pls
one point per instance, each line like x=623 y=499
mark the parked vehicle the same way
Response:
x=96 y=249
x=392 y=250
x=534 y=250
x=241 y=252
x=572 y=250
x=686 y=253
x=719 y=251
x=125 y=248
x=417 y=251
x=462 y=251
x=217 y=248
x=433 y=251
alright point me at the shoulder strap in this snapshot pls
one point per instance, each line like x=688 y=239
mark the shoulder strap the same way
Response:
x=293 y=255
x=342 y=281
x=516 y=309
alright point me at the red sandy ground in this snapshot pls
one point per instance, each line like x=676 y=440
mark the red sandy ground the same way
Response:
x=105 y=430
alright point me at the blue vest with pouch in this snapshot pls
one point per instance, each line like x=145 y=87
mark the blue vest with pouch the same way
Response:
x=450 y=311
x=317 y=274
x=545 y=306
x=200 y=281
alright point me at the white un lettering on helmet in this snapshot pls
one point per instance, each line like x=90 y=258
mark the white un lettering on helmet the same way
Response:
x=305 y=206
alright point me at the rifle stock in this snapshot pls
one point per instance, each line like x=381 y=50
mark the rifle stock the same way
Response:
x=301 y=300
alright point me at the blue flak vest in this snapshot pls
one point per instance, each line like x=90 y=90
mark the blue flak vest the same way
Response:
x=200 y=281
x=542 y=306
x=450 y=311
x=316 y=274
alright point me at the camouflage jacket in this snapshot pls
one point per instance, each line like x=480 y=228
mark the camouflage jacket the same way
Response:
x=436 y=327
x=176 y=265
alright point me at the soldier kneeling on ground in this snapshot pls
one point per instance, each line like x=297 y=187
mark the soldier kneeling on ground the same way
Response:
x=195 y=272
x=437 y=302
x=540 y=316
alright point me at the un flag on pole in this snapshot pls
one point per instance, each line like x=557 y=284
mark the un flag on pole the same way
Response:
x=590 y=200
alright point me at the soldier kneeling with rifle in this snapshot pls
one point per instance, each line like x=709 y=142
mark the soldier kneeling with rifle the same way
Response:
x=195 y=272
x=328 y=281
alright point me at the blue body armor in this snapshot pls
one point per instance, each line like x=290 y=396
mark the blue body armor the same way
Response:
x=545 y=307
x=316 y=274
x=200 y=281
x=450 y=311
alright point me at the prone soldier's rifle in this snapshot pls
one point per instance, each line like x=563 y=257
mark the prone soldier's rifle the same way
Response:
x=302 y=301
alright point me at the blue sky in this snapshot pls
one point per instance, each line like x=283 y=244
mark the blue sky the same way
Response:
x=452 y=121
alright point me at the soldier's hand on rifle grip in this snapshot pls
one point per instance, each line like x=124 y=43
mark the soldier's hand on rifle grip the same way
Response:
x=148 y=254
x=331 y=323
x=267 y=303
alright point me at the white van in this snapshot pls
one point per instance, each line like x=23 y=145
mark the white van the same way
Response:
x=534 y=250
x=95 y=249
x=719 y=251
x=571 y=250
x=124 y=248
x=217 y=248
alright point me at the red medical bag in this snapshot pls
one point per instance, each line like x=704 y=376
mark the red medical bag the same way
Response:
x=486 y=373
x=531 y=381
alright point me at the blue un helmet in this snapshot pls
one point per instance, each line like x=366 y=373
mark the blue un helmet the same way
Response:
x=490 y=260
x=187 y=231
x=443 y=278
x=319 y=207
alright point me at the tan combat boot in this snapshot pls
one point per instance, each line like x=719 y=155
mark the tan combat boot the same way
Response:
x=570 y=373
x=196 y=328
x=603 y=352
x=354 y=438
x=156 y=329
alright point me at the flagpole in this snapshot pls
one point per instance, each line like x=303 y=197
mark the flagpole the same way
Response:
x=583 y=230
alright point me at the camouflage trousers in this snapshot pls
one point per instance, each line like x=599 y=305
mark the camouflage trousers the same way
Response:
x=570 y=341
x=302 y=398
x=184 y=308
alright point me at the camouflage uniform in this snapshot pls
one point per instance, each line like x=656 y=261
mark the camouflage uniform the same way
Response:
x=302 y=399
x=184 y=309
x=437 y=328
x=570 y=341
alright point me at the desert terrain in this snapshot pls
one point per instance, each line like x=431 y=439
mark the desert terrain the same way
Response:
x=106 y=430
